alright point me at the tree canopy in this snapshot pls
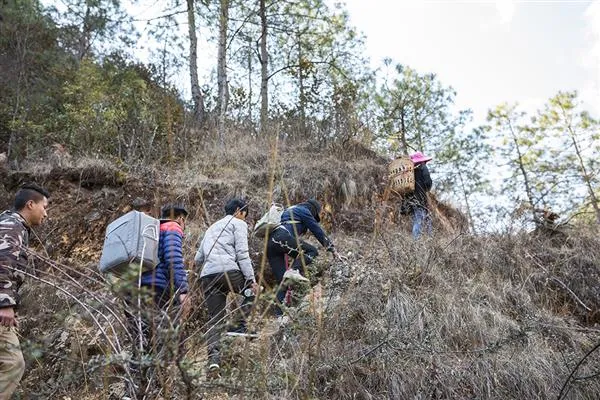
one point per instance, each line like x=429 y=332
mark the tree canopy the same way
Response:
x=72 y=75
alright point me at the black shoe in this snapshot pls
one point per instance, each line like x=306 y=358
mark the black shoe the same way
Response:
x=241 y=331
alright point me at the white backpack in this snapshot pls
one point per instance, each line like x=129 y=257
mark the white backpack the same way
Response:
x=269 y=221
x=130 y=239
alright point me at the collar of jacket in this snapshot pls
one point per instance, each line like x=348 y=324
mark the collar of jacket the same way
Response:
x=15 y=215
x=311 y=209
x=170 y=225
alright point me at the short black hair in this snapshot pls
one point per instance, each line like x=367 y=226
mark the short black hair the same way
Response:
x=172 y=211
x=29 y=191
x=234 y=204
x=141 y=204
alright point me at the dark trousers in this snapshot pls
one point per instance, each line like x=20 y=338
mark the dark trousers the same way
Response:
x=215 y=288
x=282 y=243
x=154 y=311
x=153 y=327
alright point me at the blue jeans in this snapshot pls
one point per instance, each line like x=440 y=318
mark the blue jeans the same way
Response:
x=421 y=220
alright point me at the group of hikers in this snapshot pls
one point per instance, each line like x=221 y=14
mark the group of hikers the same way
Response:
x=222 y=262
x=225 y=266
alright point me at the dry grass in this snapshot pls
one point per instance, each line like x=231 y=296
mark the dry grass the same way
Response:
x=445 y=319
x=451 y=317
x=448 y=317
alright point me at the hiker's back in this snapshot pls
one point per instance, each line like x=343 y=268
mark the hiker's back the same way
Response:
x=295 y=219
x=268 y=222
x=169 y=274
x=423 y=184
x=218 y=245
x=130 y=239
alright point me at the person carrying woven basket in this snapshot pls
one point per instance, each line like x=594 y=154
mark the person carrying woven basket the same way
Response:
x=418 y=199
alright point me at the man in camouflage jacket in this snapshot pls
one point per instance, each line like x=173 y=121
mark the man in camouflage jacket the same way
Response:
x=29 y=210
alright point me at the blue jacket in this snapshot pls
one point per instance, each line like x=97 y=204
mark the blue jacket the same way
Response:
x=169 y=275
x=298 y=220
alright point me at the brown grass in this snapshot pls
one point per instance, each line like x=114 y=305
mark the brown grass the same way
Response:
x=450 y=317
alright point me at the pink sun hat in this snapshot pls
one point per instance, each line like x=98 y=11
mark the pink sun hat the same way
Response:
x=419 y=157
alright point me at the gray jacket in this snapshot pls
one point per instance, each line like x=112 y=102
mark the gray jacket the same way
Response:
x=224 y=247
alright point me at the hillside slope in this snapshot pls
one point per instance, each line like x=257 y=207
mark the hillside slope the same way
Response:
x=451 y=317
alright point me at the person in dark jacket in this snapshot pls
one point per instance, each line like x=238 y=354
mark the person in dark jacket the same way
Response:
x=168 y=281
x=29 y=210
x=418 y=199
x=166 y=285
x=285 y=241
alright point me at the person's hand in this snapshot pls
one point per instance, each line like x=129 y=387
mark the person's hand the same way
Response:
x=7 y=317
x=255 y=288
x=185 y=305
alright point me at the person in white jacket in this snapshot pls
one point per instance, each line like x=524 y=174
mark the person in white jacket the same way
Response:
x=225 y=264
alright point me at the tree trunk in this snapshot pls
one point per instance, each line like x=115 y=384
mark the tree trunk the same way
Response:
x=467 y=202
x=264 y=78
x=528 y=190
x=249 y=80
x=584 y=174
x=12 y=141
x=402 y=135
x=170 y=135
x=22 y=41
x=84 y=39
x=197 y=97
x=222 y=68
x=301 y=88
x=420 y=141
x=163 y=65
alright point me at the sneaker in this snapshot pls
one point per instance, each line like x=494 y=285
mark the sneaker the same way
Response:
x=213 y=372
x=241 y=331
x=283 y=320
x=293 y=275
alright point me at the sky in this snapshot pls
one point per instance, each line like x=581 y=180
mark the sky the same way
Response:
x=490 y=51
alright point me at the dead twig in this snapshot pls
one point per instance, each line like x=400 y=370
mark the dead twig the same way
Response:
x=571 y=293
x=564 y=389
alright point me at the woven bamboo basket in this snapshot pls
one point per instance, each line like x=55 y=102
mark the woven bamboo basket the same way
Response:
x=401 y=175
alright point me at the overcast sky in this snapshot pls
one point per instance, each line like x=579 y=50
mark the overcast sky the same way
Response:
x=490 y=51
